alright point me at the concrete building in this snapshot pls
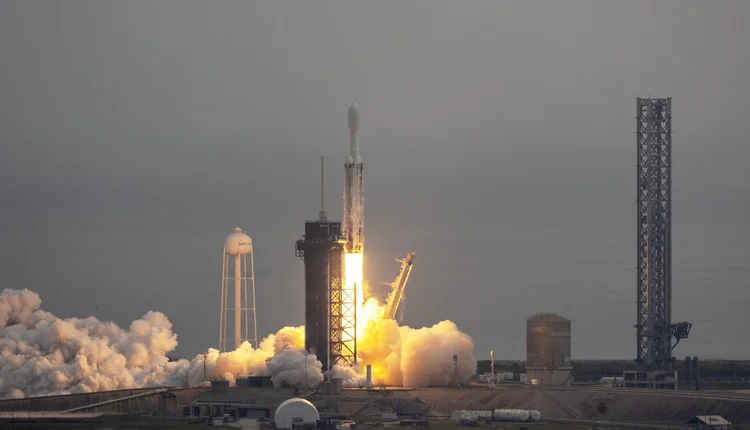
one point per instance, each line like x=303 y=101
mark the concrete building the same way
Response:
x=663 y=379
x=548 y=350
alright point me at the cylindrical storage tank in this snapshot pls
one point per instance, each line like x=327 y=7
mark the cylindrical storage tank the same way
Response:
x=518 y=415
x=238 y=243
x=547 y=341
x=295 y=408
x=535 y=415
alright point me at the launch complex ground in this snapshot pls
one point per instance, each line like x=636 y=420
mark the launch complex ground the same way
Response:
x=574 y=405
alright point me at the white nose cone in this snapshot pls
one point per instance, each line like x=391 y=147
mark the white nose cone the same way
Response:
x=353 y=117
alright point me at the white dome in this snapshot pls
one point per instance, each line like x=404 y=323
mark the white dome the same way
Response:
x=238 y=243
x=295 y=408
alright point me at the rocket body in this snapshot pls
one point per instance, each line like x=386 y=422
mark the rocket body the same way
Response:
x=354 y=220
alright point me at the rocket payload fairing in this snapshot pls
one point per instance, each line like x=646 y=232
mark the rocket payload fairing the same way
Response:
x=354 y=215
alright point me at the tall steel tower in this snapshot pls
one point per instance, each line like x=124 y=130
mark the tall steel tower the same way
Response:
x=322 y=250
x=654 y=328
x=235 y=274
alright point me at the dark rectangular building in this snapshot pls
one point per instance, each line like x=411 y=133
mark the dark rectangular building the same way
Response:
x=322 y=250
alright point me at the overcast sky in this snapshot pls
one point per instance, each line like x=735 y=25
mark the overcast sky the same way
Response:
x=497 y=136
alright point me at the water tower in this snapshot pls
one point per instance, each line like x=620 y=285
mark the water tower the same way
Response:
x=238 y=249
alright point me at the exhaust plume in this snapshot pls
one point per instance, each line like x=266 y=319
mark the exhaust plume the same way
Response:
x=41 y=354
x=404 y=356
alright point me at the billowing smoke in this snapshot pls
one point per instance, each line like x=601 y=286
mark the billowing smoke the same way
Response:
x=41 y=354
x=295 y=368
x=280 y=356
x=351 y=376
x=247 y=361
x=404 y=356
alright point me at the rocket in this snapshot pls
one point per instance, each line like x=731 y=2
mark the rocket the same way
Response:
x=354 y=221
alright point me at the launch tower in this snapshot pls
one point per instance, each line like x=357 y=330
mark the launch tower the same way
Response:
x=326 y=326
x=238 y=248
x=654 y=329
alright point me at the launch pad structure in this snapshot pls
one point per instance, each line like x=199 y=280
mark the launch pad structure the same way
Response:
x=654 y=328
x=330 y=311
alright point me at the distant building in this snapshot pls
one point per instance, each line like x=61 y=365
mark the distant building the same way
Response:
x=655 y=379
x=548 y=350
x=611 y=380
x=710 y=422
x=499 y=376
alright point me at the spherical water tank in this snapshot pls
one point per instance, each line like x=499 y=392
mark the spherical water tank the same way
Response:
x=238 y=242
x=295 y=408
x=547 y=341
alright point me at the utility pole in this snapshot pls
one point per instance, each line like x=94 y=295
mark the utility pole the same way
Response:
x=307 y=353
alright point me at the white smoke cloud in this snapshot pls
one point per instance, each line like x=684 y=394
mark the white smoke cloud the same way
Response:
x=351 y=376
x=404 y=356
x=41 y=354
x=278 y=355
x=295 y=368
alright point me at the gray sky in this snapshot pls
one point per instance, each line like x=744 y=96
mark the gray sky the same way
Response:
x=498 y=141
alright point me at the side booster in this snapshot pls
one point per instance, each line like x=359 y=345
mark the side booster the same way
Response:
x=353 y=191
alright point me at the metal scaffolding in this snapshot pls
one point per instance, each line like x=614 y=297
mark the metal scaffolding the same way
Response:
x=322 y=250
x=343 y=320
x=654 y=329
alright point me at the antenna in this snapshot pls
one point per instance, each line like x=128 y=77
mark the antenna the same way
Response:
x=323 y=215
